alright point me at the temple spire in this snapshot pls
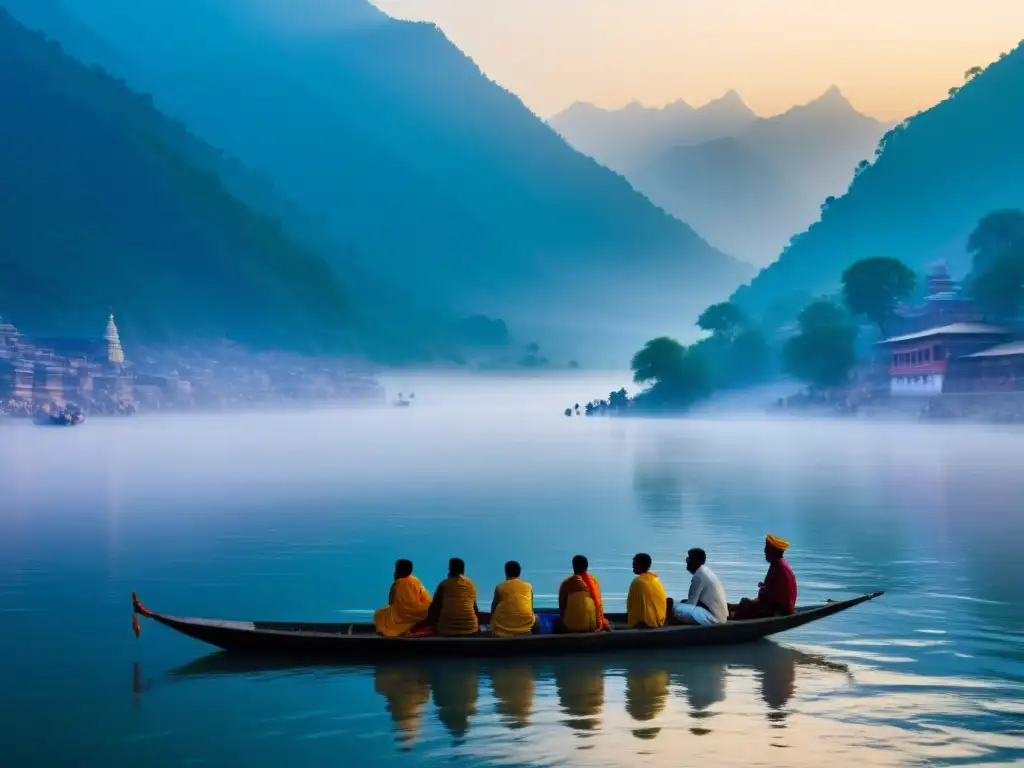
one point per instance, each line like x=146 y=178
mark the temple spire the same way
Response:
x=115 y=353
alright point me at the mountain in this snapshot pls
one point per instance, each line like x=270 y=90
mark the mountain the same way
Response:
x=627 y=138
x=747 y=195
x=934 y=177
x=443 y=184
x=96 y=210
x=739 y=200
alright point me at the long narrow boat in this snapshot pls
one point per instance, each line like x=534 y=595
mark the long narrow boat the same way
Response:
x=359 y=642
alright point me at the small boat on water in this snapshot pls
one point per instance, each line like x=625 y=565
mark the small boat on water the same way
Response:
x=65 y=417
x=353 y=642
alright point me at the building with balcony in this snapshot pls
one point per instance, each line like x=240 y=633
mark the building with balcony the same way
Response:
x=919 y=363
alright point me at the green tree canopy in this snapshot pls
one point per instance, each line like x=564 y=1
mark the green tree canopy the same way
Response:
x=998 y=291
x=873 y=287
x=822 y=354
x=679 y=375
x=724 y=318
x=996 y=234
x=659 y=360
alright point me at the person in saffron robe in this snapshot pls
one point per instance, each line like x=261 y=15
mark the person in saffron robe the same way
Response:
x=646 y=603
x=407 y=605
x=776 y=595
x=453 y=610
x=580 y=607
x=512 y=606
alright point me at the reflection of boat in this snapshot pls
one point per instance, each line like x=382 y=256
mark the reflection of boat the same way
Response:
x=352 y=642
x=651 y=680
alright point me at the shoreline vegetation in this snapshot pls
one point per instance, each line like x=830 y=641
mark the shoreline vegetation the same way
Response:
x=829 y=342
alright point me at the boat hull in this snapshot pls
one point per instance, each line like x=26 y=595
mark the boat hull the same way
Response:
x=357 y=642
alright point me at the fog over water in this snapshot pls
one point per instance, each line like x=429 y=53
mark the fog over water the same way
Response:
x=300 y=515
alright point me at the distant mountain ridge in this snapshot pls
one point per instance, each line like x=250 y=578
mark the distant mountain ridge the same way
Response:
x=623 y=139
x=936 y=175
x=747 y=196
x=442 y=182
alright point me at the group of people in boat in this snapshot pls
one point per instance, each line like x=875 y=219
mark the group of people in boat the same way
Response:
x=453 y=608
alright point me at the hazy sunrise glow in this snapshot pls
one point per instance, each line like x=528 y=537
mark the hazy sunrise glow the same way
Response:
x=890 y=57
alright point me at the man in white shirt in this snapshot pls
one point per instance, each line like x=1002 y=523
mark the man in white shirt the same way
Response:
x=706 y=603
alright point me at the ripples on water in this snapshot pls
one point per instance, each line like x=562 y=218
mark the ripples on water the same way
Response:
x=300 y=515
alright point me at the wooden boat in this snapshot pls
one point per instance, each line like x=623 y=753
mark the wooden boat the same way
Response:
x=350 y=642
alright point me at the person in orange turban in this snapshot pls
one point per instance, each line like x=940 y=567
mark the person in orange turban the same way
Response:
x=776 y=595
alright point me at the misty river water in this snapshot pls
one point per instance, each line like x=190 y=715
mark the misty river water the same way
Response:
x=300 y=515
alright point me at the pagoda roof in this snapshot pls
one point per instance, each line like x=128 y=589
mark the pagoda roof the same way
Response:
x=956 y=329
x=1009 y=349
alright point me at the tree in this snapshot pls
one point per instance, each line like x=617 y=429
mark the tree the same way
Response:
x=996 y=234
x=822 y=354
x=972 y=73
x=873 y=287
x=679 y=375
x=749 y=358
x=660 y=360
x=998 y=291
x=724 y=318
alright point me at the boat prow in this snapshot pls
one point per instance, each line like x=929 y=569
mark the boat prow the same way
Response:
x=354 y=642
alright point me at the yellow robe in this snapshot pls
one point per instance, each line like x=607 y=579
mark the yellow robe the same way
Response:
x=580 y=613
x=458 y=615
x=514 y=613
x=407 y=606
x=646 y=602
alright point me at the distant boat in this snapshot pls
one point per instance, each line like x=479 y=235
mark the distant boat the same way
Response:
x=403 y=403
x=62 y=418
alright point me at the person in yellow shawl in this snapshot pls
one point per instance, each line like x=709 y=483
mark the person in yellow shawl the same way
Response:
x=453 y=610
x=512 y=607
x=407 y=606
x=580 y=607
x=646 y=603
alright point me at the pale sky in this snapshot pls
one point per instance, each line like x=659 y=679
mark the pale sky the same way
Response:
x=890 y=57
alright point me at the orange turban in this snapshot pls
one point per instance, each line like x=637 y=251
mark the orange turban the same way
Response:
x=774 y=541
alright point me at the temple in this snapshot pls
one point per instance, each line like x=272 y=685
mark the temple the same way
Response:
x=944 y=348
x=42 y=370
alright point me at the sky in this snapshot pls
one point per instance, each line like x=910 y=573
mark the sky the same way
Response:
x=891 y=58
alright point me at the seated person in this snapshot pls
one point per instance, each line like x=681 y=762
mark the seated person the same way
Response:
x=453 y=610
x=776 y=595
x=512 y=606
x=407 y=606
x=646 y=604
x=579 y=601
x=706 y=603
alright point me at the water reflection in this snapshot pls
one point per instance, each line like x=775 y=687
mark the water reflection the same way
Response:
x=696 y=678
x=407 y=693
x=514 y=689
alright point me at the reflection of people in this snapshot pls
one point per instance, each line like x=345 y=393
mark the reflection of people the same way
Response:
x=580 y=688
x=777 y=593
x=407 y=691
x=455 y=688
x=580 y=607
x=646 y=695
x=646 y=603
x=453 y=610
x=512 y=607
x=408 y=602
x=706 y=602
x=513 y=693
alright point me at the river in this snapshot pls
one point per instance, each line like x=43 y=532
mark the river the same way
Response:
x=300 y=515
